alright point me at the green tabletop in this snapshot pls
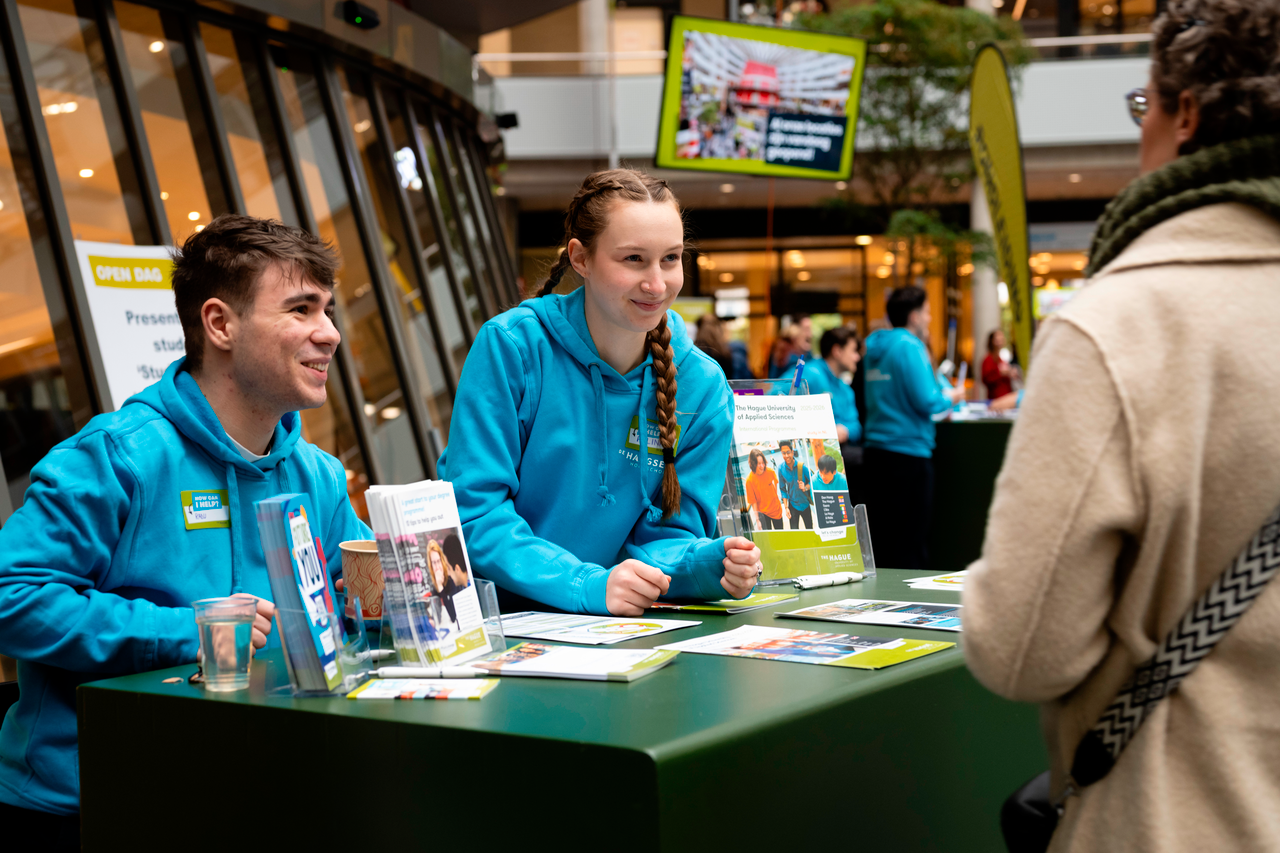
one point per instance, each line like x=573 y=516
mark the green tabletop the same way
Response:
x=708 y=753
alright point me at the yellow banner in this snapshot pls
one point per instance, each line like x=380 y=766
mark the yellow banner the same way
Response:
x=146 y=273
x=997 y=153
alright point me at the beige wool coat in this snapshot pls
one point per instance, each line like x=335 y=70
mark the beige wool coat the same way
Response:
x=1145 y=456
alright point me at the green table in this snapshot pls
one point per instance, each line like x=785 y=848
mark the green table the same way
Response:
x=710 y=753
x=966 y=460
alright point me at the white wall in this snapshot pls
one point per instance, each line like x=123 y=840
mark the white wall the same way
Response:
x=1069 y=102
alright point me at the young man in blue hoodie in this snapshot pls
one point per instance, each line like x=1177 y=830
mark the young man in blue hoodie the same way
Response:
x=99 y=565
x=903 y=394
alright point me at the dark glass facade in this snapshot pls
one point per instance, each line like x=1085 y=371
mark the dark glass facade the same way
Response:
x=136 y=123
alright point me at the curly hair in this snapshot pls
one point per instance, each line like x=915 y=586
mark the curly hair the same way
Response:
x=1227 y=54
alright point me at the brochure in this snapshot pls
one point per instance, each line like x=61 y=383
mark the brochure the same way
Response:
x=568 y=662
x=588 y=630
x=844 y=650
x=904 y=614
x=303 y=593
x=425 y=688
x=430 y=590
x=953 y=582
x=755 y=601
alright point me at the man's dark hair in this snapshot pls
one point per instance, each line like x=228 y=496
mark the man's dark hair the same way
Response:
x=786 y=442
x=827 y=464
x=902 y=302
x=833 y=339
x=226 y=258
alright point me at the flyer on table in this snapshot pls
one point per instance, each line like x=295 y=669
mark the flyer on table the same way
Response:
x=905 y=614
x=587 y=630
x=816 y=647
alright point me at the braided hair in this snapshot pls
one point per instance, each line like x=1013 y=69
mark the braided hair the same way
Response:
x=584 y=221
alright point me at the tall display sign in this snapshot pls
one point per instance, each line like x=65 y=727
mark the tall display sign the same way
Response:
x=997 y=154
x=759 y=100
x=130 y=295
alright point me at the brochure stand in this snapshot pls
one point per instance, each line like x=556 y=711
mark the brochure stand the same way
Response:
x=788 y=554
x=353 y=657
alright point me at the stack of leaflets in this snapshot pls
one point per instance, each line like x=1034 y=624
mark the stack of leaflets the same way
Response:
x=567 y=662
x=904 y=614
x=844 y=650
x=430 y=592
x=755 y=601
x=587 y=630
x=424 y=688
x=303 y=593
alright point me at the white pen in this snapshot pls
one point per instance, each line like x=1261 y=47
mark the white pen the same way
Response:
x=429 y=672
x=834 y=579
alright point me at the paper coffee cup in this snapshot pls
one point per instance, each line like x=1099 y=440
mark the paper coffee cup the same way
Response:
x=362 y=575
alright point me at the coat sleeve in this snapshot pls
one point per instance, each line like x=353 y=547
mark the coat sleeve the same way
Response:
x=1066 y=504
x=686 y=546
x=54 y=555
x=491 y=412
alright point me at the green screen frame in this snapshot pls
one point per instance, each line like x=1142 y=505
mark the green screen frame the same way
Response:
x=664 y=156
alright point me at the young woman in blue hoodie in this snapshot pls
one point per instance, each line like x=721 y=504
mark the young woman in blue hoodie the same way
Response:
x=566 y=435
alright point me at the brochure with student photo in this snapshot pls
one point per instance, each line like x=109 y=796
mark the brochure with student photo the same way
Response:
x=536 y=659
x=815 y=647
x=904 y=614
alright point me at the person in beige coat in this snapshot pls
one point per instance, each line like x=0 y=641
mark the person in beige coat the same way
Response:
x=1145 y=456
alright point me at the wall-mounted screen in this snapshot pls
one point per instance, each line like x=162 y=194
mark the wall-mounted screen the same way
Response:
x=759 y=101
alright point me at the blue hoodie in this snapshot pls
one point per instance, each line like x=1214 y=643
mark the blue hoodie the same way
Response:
x=902 y=394
x=97 y=568
x=823 y=380
x=545 y=460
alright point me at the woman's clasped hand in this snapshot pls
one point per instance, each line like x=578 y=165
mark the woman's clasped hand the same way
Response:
x=634 y=586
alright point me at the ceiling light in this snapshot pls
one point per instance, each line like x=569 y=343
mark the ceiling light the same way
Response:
x=726 y=277
x=1077 y=265
x=727 y=188
x=164 y=195
x=883 y=272
x=1075 y=178
x=863 y=239
x=842 y=185
x=1 y=205
x=370 y=409
x=199 y=228
x=390 y=413
x=888 y=257
x=804 y=275
x=59 y=109
x=156 y=46
x=86 y=173
x=193 y=215
x=362 y=126
x=1002 y=292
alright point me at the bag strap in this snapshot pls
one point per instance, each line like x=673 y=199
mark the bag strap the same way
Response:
x=1200 y=629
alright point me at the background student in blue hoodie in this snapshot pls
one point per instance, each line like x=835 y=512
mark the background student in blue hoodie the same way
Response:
x=903 y=394
x=839 y=348
x=566 y=433
x=98 y=566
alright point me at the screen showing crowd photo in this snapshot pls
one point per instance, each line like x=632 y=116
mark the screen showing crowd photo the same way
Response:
x=759 y=100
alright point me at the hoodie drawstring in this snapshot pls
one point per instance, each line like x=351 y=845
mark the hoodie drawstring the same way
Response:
x=597 y=383
x=233 y=510
x=651 y=512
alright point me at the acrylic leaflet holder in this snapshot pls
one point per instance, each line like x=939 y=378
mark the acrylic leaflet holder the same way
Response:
x=352 y=660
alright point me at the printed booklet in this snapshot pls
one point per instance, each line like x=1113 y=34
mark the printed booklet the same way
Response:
x=430 y=593
x=587 y=630
x=425 y=688
x=754 y=601
x=904 y=614
x=303 y=593
x=568 y=662
x=845 y=650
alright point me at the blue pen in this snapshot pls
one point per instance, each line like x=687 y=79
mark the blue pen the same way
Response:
x=795 y=383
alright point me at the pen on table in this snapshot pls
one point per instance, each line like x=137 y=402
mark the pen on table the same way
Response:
x=429 y=672
x=795 y=383
x=834 y=579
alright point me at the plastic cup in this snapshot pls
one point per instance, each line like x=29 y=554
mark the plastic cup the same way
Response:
x=226 y=634
x=362 y=575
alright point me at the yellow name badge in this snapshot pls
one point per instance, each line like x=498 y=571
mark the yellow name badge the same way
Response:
x=205 y=508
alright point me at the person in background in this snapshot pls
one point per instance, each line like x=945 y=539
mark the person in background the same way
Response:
x=1146 y=456
x=762 y=493
x=710 y=339
x=610 y=530
x=795 y=483
x=997 y=374
x=840 y=356
x=783 y=355
x=98 y=565
x=903 y=394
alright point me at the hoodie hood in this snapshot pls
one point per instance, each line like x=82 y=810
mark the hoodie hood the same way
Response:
x=565 y=321
x=881 y=341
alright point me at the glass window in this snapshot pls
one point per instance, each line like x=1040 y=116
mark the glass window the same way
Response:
x=421 y=340
x=457 y=255
x=484 y=271
x=90 y=149
x=502 y=246
x=417 y=186
x=168 y=108
x=36 y=410
x=488 y=243
x=259 y=167
x=364 y=335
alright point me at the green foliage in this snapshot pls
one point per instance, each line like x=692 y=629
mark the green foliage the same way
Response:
x=928 y=238
x=914 y=94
